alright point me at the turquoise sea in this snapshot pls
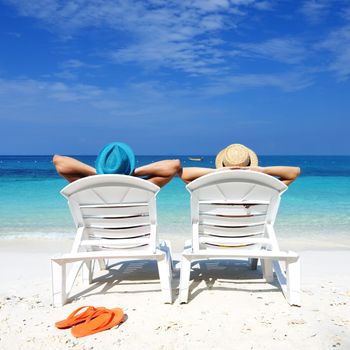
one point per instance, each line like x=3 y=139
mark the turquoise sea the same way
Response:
x=316 y=206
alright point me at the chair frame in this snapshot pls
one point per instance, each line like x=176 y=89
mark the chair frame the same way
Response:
x=86 y=250
x=268 y=250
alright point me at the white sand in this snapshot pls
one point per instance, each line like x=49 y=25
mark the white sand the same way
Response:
x=232 y=308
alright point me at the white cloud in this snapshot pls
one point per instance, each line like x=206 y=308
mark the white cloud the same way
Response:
x=37 y=100
x=282 y=50
x=80 y=92
x=195 y=58
x=27 y=90
x=264 y=5
x=315 y=10
x=338 y=44
x=68 y=70
x=186 y=36
x=285 y=81
x=72 y=63
x=178 y=34
x=29 y=99
x=211 y=5
x=14 y=34
x=242 y=2
x=346 y=13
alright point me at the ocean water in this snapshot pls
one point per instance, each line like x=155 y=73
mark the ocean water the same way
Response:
x=316 y=206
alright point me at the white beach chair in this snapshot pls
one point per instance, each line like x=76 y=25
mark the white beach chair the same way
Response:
x=115 y=216
x=233 y=216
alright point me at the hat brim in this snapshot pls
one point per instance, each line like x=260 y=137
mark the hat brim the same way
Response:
x=220 y=158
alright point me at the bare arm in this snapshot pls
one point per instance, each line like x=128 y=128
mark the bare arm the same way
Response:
x=286 y=174
x=159 y=173
x=72 y=169
x=190 y=174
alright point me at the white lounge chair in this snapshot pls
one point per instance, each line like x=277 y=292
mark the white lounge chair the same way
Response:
x=233 y=216
x=115 y=216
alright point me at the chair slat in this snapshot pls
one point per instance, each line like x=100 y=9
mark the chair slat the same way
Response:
x=116 y=244
x=226 y=242
x=114 y=205
x=231 y=231
x=228 y=214
x=125 y=216
x=233 y=210
x=118 y=222
x=128 y=232
x=232 y=221
x=114 y=211
x=234 y=202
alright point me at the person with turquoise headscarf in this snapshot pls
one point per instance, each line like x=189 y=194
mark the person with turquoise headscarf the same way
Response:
x=117 y=158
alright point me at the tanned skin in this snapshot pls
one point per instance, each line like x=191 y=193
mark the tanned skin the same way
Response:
x=160 y=173
x=286 y=174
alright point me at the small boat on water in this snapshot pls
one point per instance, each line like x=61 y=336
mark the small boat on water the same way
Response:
x=196 y=159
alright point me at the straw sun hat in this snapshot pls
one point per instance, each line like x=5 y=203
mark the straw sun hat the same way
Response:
x=236 y=155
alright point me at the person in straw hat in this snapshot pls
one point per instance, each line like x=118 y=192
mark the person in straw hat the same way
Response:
x=118 y=158
x=237 y=156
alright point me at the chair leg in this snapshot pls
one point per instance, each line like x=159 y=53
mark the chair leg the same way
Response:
x=87 y=272
x=59 y=292
x=72 y=275
x=165 y=246
x=293 y=283
x=170 y=263
x=253 y=263
x=184 y=279
x=102 y=264
x=165 y=279
x=267 y=270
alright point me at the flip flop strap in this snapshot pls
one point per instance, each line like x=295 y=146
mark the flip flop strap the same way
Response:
x=77 y=315
x=99 y=312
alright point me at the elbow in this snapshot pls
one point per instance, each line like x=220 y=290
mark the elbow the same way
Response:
x=294 y=173
x=297 y=172
x=176 y=165
x=56 y=160
x=58 y=163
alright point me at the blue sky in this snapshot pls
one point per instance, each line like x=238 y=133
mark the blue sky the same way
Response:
x=175 y=76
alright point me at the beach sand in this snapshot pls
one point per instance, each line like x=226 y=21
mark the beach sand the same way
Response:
x=231 y=306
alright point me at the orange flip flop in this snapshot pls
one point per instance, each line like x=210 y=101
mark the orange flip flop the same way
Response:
x=76 y=317
x=100 y=320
